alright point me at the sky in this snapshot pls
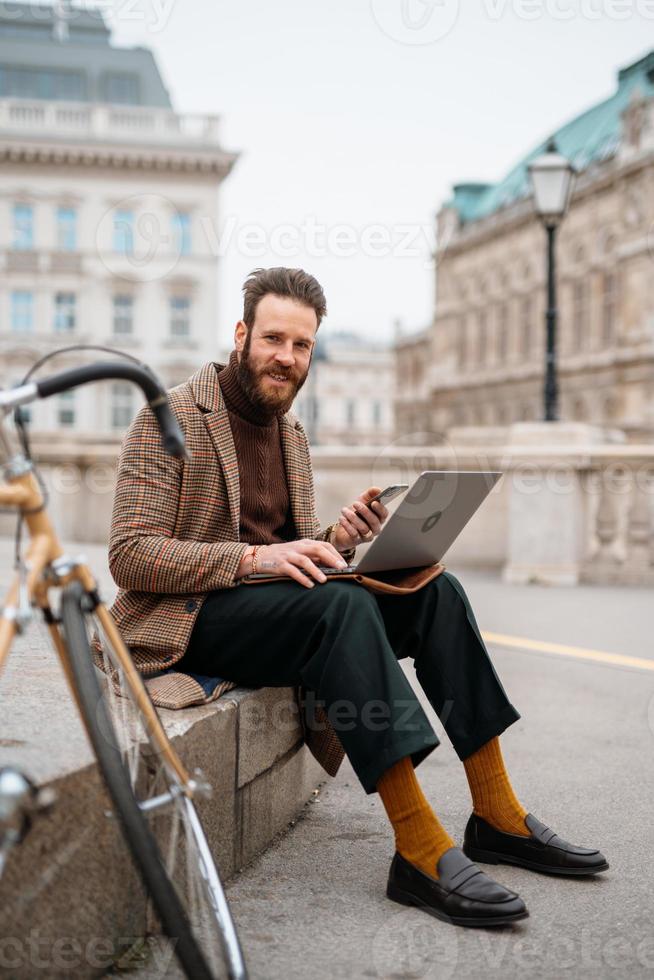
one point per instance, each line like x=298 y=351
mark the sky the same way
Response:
x=354 y=118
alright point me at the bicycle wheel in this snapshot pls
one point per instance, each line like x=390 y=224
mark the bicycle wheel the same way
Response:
x=159 y=820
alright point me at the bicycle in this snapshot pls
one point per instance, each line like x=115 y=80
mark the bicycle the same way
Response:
x=151 y=790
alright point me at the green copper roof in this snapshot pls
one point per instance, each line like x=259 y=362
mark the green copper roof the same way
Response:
x=591 y=137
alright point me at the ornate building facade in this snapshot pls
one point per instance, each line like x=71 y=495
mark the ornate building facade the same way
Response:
x=348 y=396
x=482 y=360
x=108 y=198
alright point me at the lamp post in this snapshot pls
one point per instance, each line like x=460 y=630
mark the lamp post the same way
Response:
x=551 y=176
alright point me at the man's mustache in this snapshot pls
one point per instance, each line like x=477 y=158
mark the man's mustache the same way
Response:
x=281 y=374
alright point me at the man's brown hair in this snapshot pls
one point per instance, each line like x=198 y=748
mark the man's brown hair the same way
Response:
x=293 y=283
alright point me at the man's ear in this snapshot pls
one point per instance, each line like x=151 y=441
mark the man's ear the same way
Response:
x=240 y=333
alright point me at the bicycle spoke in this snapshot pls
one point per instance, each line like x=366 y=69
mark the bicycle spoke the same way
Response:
x=184 y=850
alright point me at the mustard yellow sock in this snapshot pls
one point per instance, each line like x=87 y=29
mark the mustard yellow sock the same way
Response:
x=419 y=835
x=493 y=797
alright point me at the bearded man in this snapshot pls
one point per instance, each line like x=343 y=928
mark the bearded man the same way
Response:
x=186 y=532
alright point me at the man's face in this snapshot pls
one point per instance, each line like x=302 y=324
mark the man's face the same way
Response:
x=275 y=355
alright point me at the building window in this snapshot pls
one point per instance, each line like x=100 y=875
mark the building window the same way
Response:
x=462 y=345
x=312 y=409
x=482 y=338
x=42 y=83
x=66 y=409
x=376 y=414
x=527 y=331
x=609 y=305
x=64 y=318
x=123 y=315
x=180 y=317
x=579 y=314
x=124 y=232
x=181 y=227
x=66 y=229
x=503 y=332
x=22 y=311
x=122 y=404
x=610 y=409
x=120 y=88
x=579 y=410
x=23 y=237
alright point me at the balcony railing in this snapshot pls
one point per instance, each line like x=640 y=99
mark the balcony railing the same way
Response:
x=31 y=260
x=106 y=123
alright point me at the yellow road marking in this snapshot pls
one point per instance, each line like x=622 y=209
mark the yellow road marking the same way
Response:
x=562 y=650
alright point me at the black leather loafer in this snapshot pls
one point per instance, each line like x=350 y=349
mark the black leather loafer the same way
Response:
x=462 y=894
x=542 y=851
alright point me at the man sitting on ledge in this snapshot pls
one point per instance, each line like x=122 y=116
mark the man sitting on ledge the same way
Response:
x=185 y=532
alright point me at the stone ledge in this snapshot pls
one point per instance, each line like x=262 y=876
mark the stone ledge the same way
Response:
x=72 y=878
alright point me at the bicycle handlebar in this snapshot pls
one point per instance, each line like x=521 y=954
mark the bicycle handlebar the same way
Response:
x=172 y=436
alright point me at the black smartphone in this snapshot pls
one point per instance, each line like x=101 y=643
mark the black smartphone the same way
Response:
x=389 y=493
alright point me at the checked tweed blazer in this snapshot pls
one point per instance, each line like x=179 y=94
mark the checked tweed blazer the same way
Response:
x=175 y=537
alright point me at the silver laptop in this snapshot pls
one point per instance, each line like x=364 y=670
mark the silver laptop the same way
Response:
x=430 y=516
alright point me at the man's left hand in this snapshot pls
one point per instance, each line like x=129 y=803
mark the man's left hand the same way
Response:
x=360 y=523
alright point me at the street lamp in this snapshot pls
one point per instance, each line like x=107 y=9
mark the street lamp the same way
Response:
x=551 y=178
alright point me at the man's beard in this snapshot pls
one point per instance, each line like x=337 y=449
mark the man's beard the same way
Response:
x=271 y=401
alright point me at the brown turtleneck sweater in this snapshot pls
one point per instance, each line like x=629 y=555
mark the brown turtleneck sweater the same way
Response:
x=265 y=516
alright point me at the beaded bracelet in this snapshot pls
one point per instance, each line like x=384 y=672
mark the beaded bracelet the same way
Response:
x=254 y=558
x=253 y=553
x=329 y=530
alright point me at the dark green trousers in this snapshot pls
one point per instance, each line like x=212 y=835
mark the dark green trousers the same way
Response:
x=343 y=644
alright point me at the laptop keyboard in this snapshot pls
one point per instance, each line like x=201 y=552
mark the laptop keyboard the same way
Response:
x=328 y=570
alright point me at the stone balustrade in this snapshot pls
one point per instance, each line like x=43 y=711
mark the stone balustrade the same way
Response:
x=574 y=505
x=107 y=122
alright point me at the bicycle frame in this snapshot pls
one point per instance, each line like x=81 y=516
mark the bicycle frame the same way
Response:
x=47 y=566
x=198 y=917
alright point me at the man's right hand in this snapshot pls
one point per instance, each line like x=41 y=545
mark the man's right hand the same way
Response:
x=299 y=560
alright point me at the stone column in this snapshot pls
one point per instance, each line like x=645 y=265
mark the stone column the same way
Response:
x=547 y=503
